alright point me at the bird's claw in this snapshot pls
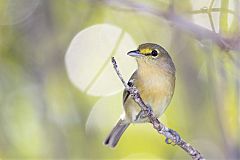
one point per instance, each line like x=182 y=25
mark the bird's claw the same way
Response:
x=144 y=113
x=176 y=136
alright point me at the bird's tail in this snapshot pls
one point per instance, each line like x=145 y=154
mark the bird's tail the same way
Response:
x=116 y=133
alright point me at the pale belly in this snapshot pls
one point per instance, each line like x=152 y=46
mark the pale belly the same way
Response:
x=133 y=109
x=158 y=96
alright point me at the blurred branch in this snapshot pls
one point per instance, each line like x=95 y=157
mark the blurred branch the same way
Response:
x=224 y=17
x=211 y=21
x=206 y=10
x=210 y=15
x=200 y=33
x=161 y=128
x=237 y=10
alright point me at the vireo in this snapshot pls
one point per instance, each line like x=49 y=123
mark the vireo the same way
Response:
x=155 y=81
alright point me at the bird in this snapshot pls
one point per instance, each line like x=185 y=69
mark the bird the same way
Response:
x=155 y=81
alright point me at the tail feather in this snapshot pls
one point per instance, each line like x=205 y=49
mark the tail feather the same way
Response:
x=116 y=134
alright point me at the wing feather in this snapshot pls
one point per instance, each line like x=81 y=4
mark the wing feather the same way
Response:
x=131 y=83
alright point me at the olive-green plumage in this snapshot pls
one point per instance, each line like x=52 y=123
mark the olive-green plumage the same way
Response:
x=155 y=80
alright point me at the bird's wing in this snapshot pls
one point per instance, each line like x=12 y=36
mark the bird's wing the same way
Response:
x=130 y=83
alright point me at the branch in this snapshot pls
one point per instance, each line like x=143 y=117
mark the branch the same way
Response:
x=200 y=33
x=161 y=128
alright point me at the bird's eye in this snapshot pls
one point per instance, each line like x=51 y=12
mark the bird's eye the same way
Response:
x=154 y=53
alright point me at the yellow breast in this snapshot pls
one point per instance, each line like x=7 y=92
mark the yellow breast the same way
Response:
x=156 y=88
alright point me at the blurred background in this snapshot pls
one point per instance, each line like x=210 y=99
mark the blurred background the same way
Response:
x=60 y=97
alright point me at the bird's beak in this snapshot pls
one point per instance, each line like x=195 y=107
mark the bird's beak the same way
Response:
x=135 y=53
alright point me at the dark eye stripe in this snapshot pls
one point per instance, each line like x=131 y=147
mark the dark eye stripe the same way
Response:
x=148 y=54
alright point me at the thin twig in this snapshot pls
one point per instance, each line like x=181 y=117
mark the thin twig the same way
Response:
x=161 y=128
x=205 y=10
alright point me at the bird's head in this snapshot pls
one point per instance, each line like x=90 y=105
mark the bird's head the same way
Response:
x=150 y=54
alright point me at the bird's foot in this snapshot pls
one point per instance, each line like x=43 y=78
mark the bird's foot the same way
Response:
x=176 y=136
x=144 y=113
